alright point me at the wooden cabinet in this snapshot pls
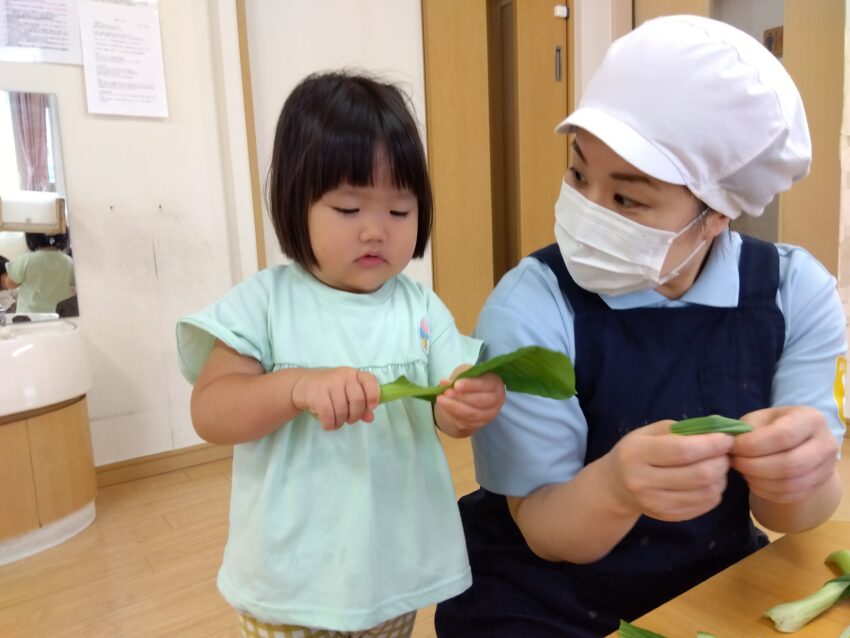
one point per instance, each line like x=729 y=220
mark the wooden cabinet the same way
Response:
x=46 y=466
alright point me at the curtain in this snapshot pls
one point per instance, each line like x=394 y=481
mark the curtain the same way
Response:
x=29 y=121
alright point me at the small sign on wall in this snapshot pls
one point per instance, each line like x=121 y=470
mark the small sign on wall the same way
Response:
x=773 y=40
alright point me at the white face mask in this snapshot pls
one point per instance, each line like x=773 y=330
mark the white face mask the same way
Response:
x=608 y=253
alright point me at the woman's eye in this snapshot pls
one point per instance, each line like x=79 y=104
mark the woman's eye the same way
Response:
x=577 y=175
x=399 y=213
x=626 y=202
x=346 y=211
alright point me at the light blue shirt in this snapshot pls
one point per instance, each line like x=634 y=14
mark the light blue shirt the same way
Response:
x=346 y=529
x=537 y=441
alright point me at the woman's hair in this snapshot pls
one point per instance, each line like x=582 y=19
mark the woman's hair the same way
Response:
x=329 y=131
x=40 y=240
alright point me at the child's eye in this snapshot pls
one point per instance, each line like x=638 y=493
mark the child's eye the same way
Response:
x=626 y=202
x=399 y=213
x=346 y=211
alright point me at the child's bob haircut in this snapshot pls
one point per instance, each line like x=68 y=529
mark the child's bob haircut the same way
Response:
x=328 y=133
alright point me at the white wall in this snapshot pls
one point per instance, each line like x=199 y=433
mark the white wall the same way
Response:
x=289 y=39
x=149 y=219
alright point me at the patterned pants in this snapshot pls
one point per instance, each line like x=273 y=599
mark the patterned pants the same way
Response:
x=400 y=627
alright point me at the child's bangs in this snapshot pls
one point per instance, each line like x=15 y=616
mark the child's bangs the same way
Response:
x=349 y=157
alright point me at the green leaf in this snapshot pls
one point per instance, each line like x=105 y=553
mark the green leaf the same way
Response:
x=403 y=387
x=709 y=424
x=628 y=630
x=531 y=370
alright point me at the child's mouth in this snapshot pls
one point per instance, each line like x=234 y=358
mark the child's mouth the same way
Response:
x=370 y=261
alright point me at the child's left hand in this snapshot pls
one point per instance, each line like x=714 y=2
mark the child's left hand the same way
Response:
x=470 y=404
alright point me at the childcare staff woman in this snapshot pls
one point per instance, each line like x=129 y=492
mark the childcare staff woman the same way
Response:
x=590 y=510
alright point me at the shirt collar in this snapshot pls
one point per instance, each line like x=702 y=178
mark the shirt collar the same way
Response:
x=717 y=284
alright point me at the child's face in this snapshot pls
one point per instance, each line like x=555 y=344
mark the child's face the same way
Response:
x=363 y=235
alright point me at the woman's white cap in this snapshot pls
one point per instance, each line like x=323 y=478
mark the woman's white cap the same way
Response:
x=694 y=101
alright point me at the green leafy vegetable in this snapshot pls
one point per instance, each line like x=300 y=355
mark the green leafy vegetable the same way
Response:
x=704 y=634
x=628 y=630
x=793 y=615
x=709 y=424
x=531 y=370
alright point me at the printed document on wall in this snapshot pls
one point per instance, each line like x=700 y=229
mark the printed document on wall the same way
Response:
x=122 y=59
x=40 y=31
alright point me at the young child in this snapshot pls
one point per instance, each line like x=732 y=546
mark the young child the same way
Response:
x=343 y=516
x=45 y=275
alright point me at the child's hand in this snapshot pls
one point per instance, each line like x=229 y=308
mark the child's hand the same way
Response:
x=667 y=476
x=789 y=453
x=470 y=404
x=337 y=395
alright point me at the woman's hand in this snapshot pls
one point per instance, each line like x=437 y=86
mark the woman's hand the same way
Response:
x=667 y=476
x=469 y=404
x=337 y=396
x=790 y=453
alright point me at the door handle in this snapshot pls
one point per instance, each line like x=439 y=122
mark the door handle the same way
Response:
x=558 y=71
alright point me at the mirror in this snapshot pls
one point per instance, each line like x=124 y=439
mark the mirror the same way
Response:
x=36 y=269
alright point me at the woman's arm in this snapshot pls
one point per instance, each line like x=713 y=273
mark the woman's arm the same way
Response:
x=789 y=462
x=650 y=471
x=234 y=400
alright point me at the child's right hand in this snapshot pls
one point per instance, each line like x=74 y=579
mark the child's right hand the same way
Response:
x=667 y=476
x=337 y=396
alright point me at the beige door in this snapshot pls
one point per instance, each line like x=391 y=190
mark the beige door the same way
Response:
x=647 y=9
x=497 y=80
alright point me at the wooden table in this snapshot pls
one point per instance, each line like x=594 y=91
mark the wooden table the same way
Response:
x=730 y=604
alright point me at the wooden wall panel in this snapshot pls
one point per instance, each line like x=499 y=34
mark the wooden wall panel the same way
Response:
x=458 y=123
x=814 y=55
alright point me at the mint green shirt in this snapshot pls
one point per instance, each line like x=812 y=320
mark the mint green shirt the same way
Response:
x=46 y=277
x=339 y=530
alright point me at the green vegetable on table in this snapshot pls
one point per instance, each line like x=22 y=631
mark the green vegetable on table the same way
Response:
x=793 y=615
x=628 y=630
x=531 y=370
x=709 y=424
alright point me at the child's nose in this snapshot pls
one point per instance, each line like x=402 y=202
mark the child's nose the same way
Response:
x=373 y=230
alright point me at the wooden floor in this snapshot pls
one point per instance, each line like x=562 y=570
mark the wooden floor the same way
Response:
x=146 y=567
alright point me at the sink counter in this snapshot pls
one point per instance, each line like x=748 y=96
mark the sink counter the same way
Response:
x=41 y=363
x=47 y=477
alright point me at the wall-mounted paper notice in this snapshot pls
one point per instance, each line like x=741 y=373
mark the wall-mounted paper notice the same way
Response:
x=122 y=59
x=40 y=31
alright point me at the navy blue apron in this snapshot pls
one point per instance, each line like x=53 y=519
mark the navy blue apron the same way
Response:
x=633 y=367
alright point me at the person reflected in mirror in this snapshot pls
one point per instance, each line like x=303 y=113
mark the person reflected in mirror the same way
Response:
x=44 y=276
x=7 y=299
x=590 y=509
x=343 y=516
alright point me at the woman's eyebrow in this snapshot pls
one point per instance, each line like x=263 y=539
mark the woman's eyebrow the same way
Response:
x=634 y=178
x=577 y=149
